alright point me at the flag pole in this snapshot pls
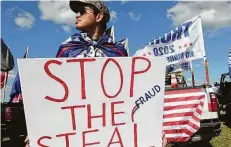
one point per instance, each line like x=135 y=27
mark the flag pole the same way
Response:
x=192 y=72
x=127 y=47
x=205 y=60
x=27 y=52
x=206 y=71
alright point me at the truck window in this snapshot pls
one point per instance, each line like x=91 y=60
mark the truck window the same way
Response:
x=227 y=78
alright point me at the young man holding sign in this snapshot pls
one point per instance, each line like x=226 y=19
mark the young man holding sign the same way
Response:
x=91 y=19
x=92 y=41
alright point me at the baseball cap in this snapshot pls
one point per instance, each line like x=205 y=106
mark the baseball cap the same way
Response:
x=99 y=4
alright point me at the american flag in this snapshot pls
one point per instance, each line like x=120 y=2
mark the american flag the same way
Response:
x=182 y=112
x=16 y=94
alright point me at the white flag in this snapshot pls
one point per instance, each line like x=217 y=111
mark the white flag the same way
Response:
x=184 y=43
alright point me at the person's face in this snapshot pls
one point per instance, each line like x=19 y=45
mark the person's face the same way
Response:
x=85 y=18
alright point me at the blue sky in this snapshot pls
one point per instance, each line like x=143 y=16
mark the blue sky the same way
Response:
x=42 y=26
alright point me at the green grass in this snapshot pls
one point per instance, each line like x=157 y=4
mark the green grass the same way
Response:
x=224 y=140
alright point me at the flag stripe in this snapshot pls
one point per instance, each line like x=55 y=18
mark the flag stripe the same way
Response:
x=175 y=127
x=184 y=95
x=185 y=98
x=179 y=131
x=178 y=135
x=178 y=139
x=178 y=115
x=174 y=104
x=170 y=106
x=183 y=122
x=173 y=119
x=182 y=91
x=181 y=115
x=180 y=107
x=180 y=110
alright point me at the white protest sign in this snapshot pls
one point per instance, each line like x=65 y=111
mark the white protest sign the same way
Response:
x=93 y=102
x=184 y=43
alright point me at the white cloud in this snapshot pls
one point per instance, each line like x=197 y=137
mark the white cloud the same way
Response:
x=66 y=28
x=9 y=11
x=135 y=17
x=24 y=20
x=124 y=1
x=113 y=16
x=58 y=12
x=215 y=14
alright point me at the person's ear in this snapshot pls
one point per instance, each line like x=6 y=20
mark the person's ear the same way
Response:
x=99 y=17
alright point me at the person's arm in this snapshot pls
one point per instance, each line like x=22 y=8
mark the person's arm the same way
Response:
x=26 y=141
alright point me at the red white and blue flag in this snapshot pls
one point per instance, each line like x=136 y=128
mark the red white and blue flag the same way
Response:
x=16 y=93
x=182 y=113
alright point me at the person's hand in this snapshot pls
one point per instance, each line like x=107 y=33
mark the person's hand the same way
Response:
x=27 y=142
x=164 y=140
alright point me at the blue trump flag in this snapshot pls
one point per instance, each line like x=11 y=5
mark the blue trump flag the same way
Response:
x=81 y=45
